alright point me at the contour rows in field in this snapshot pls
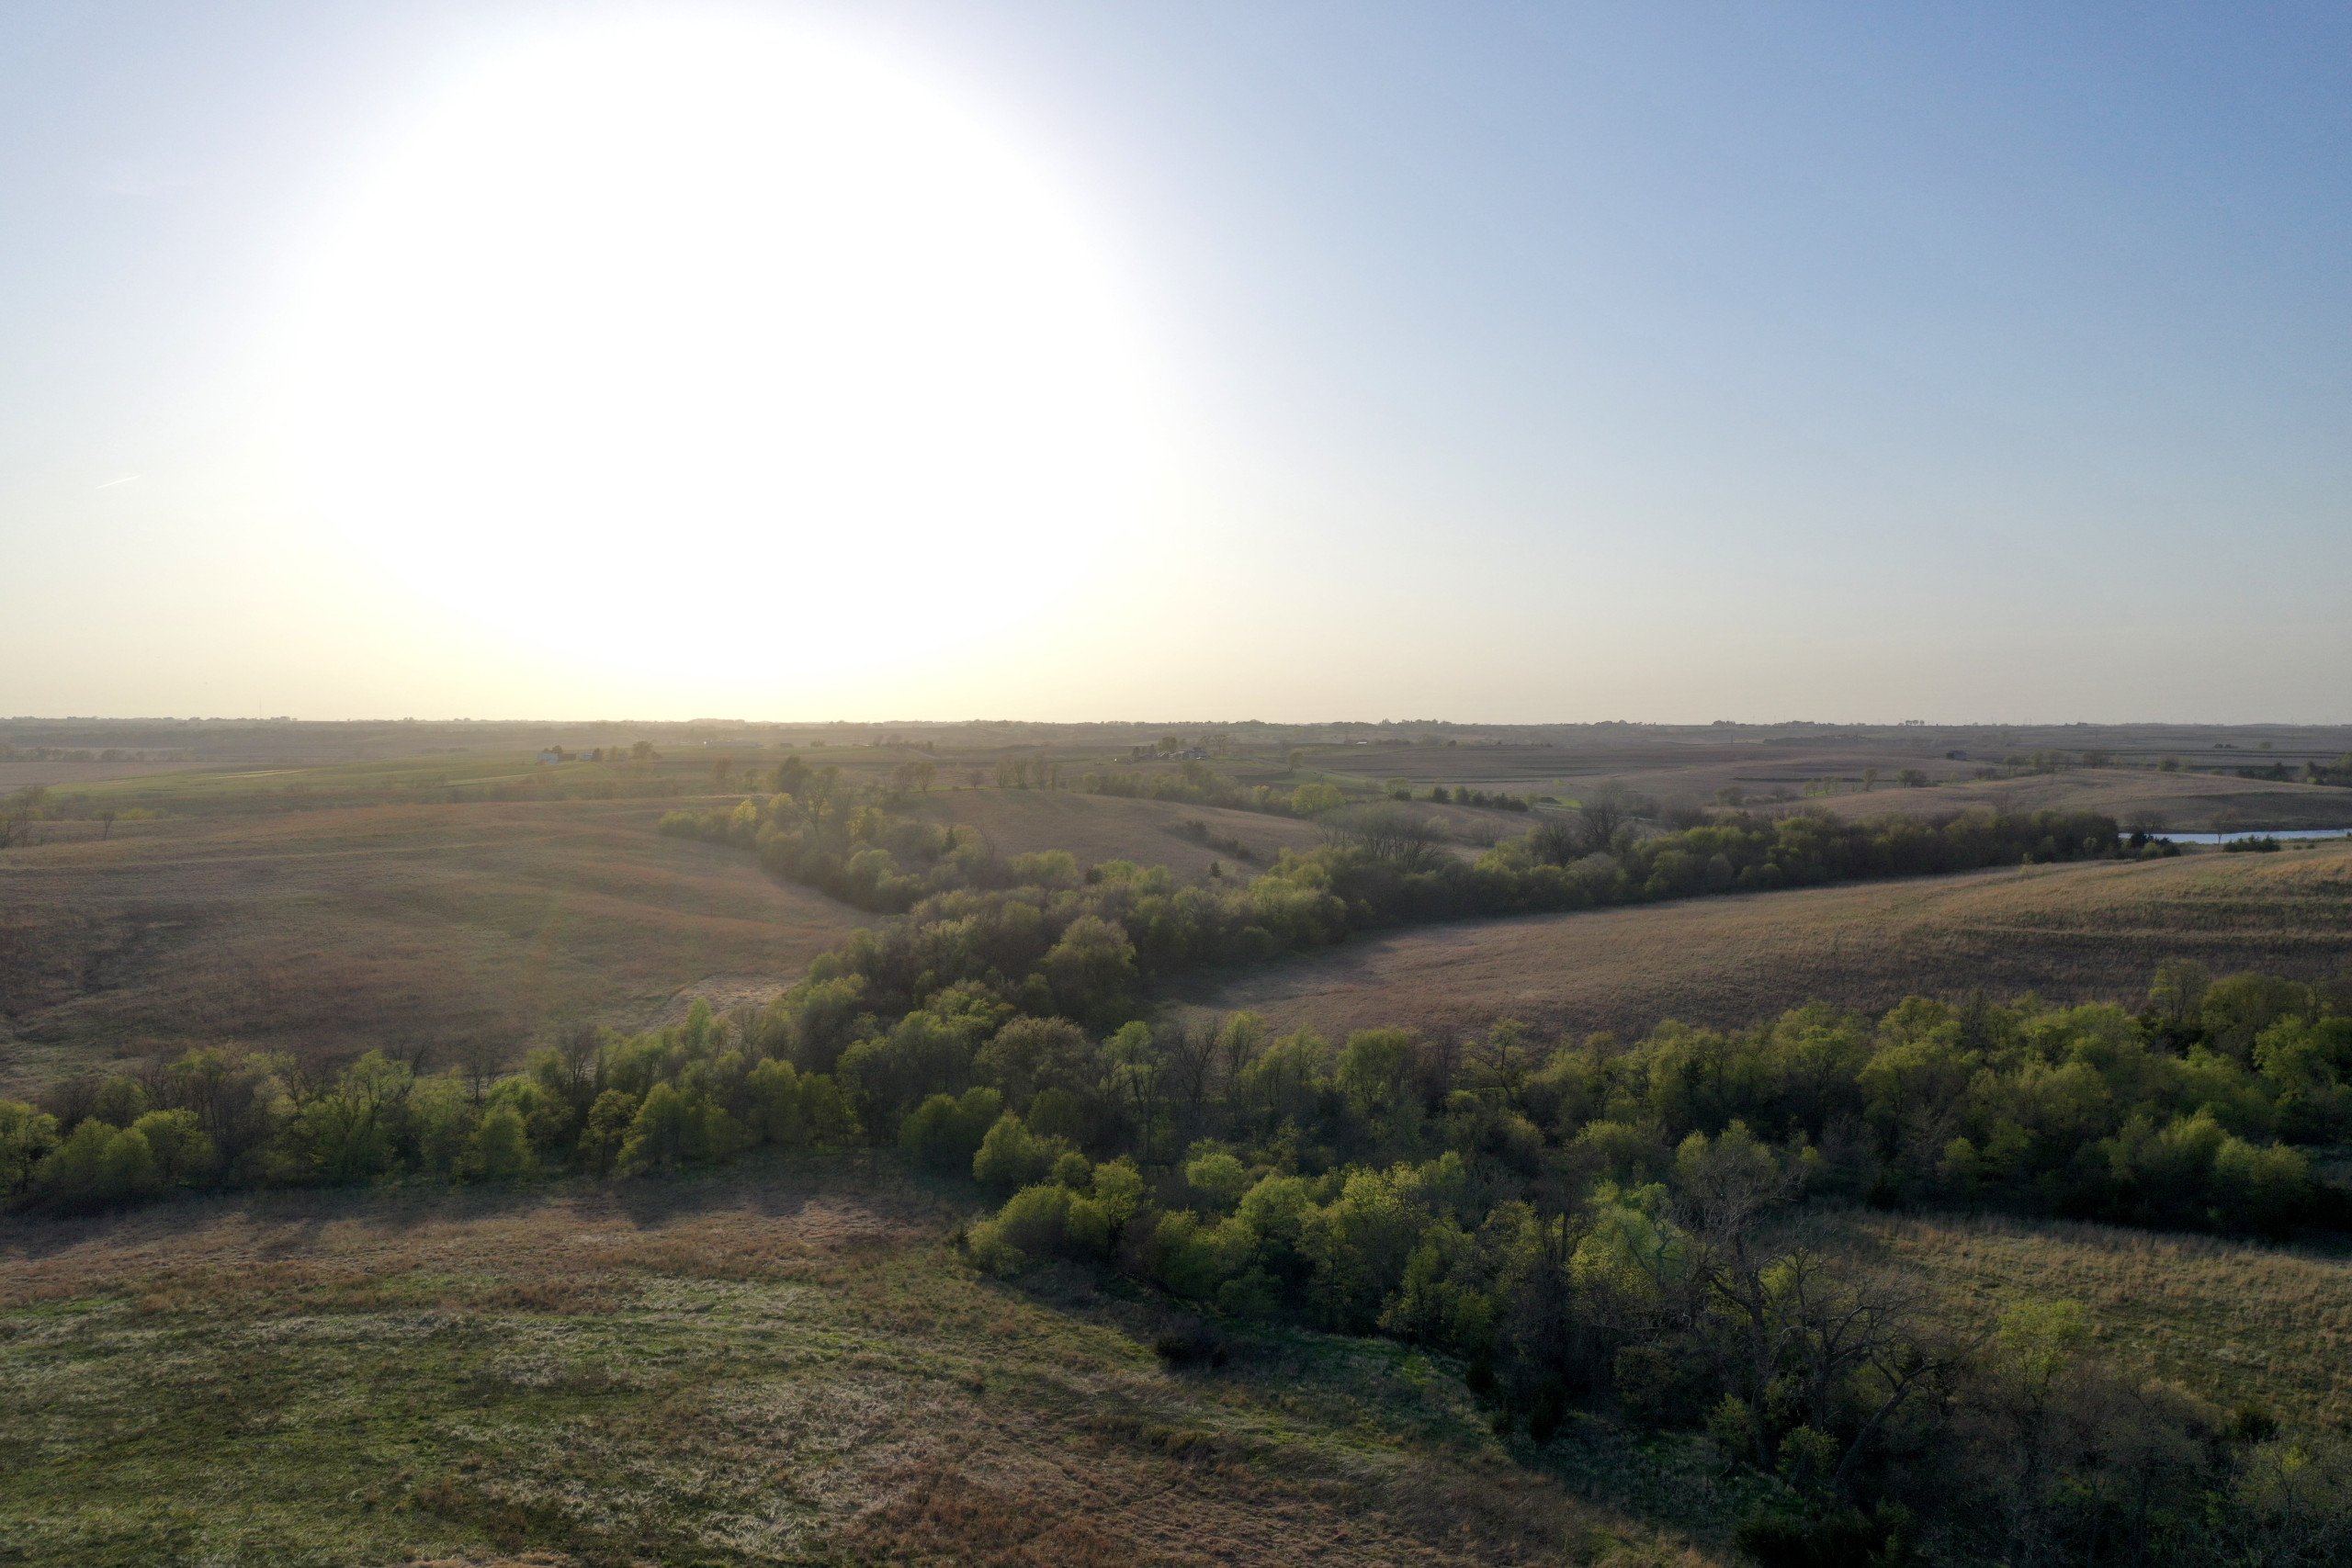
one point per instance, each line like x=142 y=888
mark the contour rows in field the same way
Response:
x=2087 y=933
x=403 y=926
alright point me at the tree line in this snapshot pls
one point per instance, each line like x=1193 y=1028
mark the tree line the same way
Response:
x=1644 y=1228
x=1382 y=863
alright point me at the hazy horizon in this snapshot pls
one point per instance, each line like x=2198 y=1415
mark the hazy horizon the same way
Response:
x=1059 y=362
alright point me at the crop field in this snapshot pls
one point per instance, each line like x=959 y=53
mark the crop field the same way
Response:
x=1856 y=774
x=2185 y=803
x=2076 y=933
x=790 y=1364
x=406 y=927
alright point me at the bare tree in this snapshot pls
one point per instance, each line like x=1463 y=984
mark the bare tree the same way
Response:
x=1606 y=810
x=1408 y=839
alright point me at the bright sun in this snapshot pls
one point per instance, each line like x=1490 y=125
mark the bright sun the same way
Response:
x=717 y=314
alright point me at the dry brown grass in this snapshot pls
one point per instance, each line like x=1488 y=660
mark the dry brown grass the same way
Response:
x=2229 y=1321
x=2186 y=803
x=1103 y=826
x=2082 y=932
x=785 y=1365
x=335 y=929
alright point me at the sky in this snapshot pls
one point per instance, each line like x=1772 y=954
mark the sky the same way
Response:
x=1300 y=361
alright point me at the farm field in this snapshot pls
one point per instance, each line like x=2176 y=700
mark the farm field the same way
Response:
x=1777 y=772
x=2076 y=933
x=409 y=926
x=1099 y=828
x=782 y=1364
x=2183 y=803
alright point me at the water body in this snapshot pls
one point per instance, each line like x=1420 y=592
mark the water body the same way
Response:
x=2281 y=834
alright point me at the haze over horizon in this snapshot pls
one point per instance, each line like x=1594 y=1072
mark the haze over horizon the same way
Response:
x=1056 y=362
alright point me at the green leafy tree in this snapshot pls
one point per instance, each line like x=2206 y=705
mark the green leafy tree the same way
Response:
x=183 y=1156
x=26 y=1135
x=500 y=1149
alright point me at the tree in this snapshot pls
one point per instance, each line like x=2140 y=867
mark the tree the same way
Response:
x=677 y=1127
x=346 y=1131
x=26 y=1135
x=183 y=1156
x=1314 y=799
x=1557 y=841
x=1011 y=1156
x=97 y=1166
x=479 y=1057
x=1606 y=810
x=1403 y=838
x=1091 y=969
x=500 y=1149
x=946 y=1132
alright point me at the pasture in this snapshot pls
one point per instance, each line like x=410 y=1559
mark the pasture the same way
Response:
x=785 y=1364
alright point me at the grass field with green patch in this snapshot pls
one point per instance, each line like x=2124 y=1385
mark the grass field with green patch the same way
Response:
x=790 y=1364
x=2229 y=1321
x=2091 y=931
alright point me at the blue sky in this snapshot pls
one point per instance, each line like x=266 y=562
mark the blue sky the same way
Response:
x=1516 y=363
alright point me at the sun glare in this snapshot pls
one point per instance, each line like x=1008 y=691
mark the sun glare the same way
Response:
x=720 y=314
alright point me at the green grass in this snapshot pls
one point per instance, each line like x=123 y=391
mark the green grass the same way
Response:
x=783 y=1365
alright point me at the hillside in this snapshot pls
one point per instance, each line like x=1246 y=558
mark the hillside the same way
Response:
x=1102 y=826
x=405 y=927
x=2088 y=932
x=786 y=1364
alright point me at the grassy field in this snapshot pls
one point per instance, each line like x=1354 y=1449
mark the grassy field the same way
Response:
x=789 y=1365
x=793 y=1364
x=407 y=927
x=2185 y=803
x=1100 y=828
x=2088 y=932
x=2229 y=1321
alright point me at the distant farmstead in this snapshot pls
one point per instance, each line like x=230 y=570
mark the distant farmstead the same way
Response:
x=558 y=754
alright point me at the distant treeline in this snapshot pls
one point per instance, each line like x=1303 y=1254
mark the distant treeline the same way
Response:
x=1385 y=864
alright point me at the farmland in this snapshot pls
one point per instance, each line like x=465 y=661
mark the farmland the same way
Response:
x=329 y=931
x=367 y=1334
x=2079 y=932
